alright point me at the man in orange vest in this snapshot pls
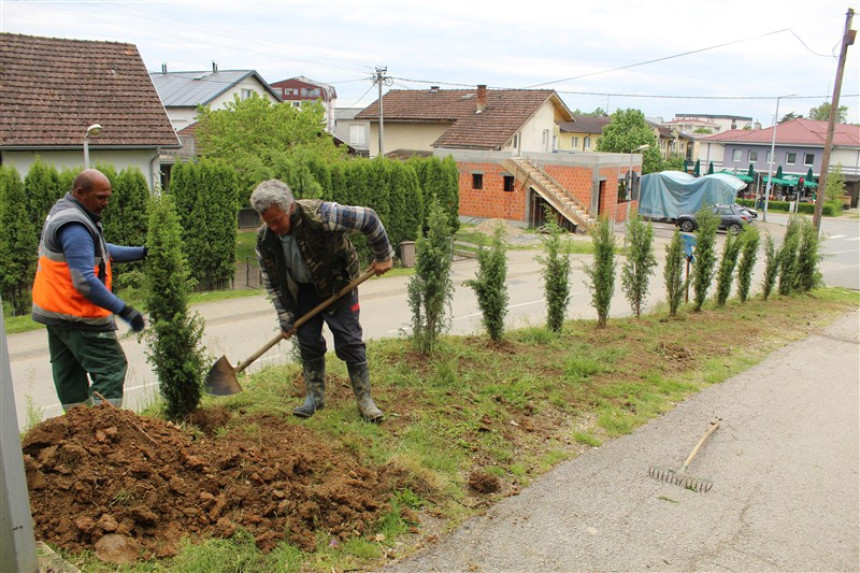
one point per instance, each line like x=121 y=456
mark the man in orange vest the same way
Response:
x=72 y=295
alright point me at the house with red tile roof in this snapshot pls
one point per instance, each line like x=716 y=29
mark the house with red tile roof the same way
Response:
x=505 y=143
x=798 y=147
x=52 y=90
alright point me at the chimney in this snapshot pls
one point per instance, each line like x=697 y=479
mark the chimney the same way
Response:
x=164 y=68
x=482 y=98
x=214 y=67
x=434 y=89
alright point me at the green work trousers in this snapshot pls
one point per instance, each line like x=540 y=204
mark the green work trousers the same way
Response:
x=76 y=353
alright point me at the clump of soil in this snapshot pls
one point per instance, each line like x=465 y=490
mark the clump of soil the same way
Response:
x=482 y=482
x=128 y=487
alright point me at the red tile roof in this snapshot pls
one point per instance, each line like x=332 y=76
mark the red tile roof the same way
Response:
x=807 y=132
x=504 y=113
x=52 y=89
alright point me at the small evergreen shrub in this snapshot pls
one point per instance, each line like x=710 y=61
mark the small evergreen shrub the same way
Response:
x=601 y=273
x=431 y=290
x=490 y=285
x=555 y=269
x=673 y=272
x=787 y=256
x=728 y=262
x=807 y=275
x=750 y=239
x=771 y=267
x=704 y=256
x=640 y=263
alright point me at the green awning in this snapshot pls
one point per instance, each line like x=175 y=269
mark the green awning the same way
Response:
x=742 y=176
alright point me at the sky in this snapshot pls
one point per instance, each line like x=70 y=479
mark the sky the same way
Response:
x=663 y=57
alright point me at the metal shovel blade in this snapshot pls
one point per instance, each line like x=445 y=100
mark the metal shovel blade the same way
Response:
x=221 y=380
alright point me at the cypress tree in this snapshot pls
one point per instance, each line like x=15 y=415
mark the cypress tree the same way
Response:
x=808 y=258
x=490 y=284
x=673 y=272
x=725 y=273
x=749 y=253
x=431 y=290
x=601 y=272
x=787 y=256
x=125 y=220
x=42 y=189
x=555 y=269
x=640 y=263
x=19 y=243
x=704 y=256
x=174 y=334
x=771 y=267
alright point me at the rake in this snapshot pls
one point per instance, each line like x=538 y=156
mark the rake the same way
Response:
x=680 y=476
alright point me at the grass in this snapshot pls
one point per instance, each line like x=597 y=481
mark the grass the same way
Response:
x=513 y=409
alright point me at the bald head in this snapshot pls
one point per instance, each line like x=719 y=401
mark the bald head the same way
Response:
x=92 y=189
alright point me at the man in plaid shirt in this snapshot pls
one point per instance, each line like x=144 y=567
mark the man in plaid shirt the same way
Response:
x=306 y=256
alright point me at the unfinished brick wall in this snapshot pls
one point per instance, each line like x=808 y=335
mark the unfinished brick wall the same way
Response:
x=491 y=202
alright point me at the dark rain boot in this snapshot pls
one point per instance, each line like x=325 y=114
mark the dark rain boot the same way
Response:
x=314 y=372
x=359 y=379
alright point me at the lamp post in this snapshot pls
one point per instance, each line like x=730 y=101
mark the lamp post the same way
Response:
x=642 y=147
x=770 y=162
x=92 y=131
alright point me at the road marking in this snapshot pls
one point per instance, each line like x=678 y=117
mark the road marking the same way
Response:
x=843 y=252
x=835 y=236
x=852 y=238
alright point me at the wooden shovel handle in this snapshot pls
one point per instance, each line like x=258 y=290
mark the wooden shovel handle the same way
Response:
x=306 y=317
x=715 y=423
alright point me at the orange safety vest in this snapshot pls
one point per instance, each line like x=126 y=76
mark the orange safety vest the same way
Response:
x=55 y=298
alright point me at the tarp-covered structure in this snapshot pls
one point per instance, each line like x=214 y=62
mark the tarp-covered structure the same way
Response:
x=668 y=194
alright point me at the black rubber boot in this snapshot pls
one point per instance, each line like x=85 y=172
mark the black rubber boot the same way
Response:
x=314 y=372
x=359 y=379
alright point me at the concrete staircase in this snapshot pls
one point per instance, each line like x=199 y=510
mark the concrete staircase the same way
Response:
x=564 y=202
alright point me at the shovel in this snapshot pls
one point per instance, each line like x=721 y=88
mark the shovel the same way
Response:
x=222 y=378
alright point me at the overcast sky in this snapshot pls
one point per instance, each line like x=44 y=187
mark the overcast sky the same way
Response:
x=695 y=56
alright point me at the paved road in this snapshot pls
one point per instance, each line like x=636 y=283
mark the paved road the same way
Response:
x=784 y=464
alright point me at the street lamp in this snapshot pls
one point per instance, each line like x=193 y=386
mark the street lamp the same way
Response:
x=92 y=131
x=642 y=147
x=770 y=163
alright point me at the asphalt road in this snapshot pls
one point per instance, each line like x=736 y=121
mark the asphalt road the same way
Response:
x=239 y=327
x=784 y=463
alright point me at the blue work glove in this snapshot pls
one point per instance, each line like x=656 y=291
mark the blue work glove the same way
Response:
x=133 y=318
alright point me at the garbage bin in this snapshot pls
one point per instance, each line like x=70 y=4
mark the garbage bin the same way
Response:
x=407 y=253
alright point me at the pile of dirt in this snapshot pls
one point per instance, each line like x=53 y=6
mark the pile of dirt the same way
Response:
x=489 y=227
x=130 y=487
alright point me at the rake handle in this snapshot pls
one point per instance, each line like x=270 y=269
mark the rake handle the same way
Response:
x=306 y=317
x=715 y=423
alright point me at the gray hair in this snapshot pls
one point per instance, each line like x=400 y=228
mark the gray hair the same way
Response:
x=272 y=192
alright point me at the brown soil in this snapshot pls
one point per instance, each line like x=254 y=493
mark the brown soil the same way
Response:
x=131 y=487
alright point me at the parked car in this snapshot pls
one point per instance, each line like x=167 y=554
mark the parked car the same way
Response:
x=743 y=209
x=732 y=218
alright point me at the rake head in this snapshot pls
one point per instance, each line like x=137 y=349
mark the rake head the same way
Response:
x=681 y=478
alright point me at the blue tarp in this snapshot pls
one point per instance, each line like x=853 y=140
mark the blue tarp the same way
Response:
x=668 y=194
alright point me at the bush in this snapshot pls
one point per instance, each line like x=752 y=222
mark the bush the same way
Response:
x=673 y=272
x=750 y=239
x=640 y=263
x=556 y=276
x=807 y=275
x=602 y=271
x=490 y=285
x=19 y=243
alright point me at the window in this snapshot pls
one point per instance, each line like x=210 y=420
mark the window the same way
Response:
x=575 y=142
x=737 y=155
x=791 y=158
x=245 y=93
x=586 y=142
x=808 y=158
x=477 y=180
x=357 y=135
x=753 y=156
x=768 y=160
x=508 y=182
x=515 y=142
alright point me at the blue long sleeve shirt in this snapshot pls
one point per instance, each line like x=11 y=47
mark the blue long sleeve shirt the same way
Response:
x=78 y=247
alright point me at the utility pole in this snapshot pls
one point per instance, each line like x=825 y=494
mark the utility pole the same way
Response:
x=380 y=78
x=848 y=37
